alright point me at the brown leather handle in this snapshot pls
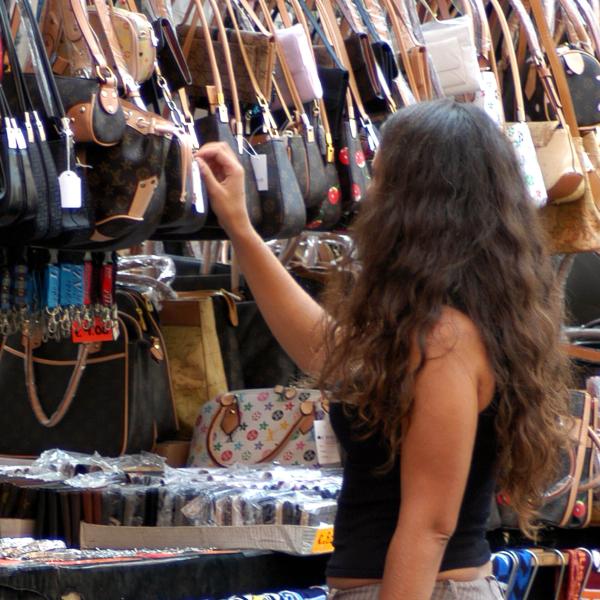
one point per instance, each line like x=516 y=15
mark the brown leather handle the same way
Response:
x=402 y=33
x=105 y=12
x=300 y=16
x=235 y=99
x=259 y=93
x=576 y=22
x=512 y=58
x=556 y=67
x=59 y=414
x=592 y=24
x=200 y=16
x=78 y=8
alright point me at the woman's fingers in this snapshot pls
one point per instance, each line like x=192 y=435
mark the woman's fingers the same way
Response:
x=220 y=157
x=207 y=173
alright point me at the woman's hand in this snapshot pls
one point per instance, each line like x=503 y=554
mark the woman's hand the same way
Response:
x=224 y=179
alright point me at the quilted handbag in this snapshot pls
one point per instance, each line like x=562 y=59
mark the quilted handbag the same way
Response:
x=259 y=426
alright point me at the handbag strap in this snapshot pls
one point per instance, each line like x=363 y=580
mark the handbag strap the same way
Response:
x=235 y=99
x=75 y=16
x=320 y=105
x=592 y=24
x=327 y=15
x=378 y=19
x=575 y=20
x=401 y=34
x=59 y=414
x=537 y=55
x=556 y=67
x=23 y=99
x=512 y=58
x=105 y=12
x=270 y=124
x=215 y=93
x=484 y=37
x=320 y=33
x=44 y=77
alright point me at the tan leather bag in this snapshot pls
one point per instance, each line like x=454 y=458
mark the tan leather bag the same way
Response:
x=197 y=372
x=557 y=156
x=135 y=37
x=259 y=45
x=575 y=226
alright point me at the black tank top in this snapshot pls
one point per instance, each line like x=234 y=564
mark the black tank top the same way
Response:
x=369 y=502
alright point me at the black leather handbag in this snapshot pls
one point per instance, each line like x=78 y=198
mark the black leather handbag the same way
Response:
x=332 y=73
x=284 y=213
x=16 y=178
x=54 y=141
x=109 y=398
x=212 y=129
x=45 y=197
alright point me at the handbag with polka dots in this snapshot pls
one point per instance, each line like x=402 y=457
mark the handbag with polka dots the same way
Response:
x=259 y=426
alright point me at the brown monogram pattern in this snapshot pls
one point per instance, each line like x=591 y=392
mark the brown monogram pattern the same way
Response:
x=116 y=172
x=261 y=54
x=284 y=214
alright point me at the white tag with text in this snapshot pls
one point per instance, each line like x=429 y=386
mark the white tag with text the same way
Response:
x=328 y=452
x=70 y=189
x=259 y=165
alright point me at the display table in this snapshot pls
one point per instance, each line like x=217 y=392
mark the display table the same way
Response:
x=190 y=577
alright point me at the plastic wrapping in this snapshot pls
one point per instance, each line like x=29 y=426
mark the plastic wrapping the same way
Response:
x=141 y=490
x=149 y=274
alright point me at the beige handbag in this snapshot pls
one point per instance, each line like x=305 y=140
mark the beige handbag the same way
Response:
x=135 y=36
x=572 y=227
x=197 y=372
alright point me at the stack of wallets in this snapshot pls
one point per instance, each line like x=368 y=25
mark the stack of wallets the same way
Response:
x=143 y=492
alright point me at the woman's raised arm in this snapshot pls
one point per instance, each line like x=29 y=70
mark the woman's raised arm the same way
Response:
x=293 y=316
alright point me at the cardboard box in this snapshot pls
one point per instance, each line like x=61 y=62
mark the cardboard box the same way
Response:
x=293 y=539
x=16 y=528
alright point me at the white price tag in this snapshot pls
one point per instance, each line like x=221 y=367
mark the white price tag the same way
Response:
x=70 y=189
x=328 y=452
x=259 y=165
x=197 y=189
x=587 y=163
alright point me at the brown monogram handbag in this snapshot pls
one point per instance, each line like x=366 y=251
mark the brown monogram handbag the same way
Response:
x=260 y=52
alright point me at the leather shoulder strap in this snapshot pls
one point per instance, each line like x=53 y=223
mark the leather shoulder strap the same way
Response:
x=556 y=67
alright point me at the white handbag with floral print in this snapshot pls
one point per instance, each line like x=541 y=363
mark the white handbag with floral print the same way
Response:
x=262 y=426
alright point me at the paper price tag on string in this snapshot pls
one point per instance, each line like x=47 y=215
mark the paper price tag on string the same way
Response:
x=70 y=189
x=259 y=166
x=323 y=541
x=328 y=452
x=197 y=189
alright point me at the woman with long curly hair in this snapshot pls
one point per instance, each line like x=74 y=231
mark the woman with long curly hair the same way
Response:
x=442 y=349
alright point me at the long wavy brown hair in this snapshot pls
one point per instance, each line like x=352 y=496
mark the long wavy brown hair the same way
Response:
x=448 y=222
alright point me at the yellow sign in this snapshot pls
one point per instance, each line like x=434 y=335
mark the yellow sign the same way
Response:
x=323 y=540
